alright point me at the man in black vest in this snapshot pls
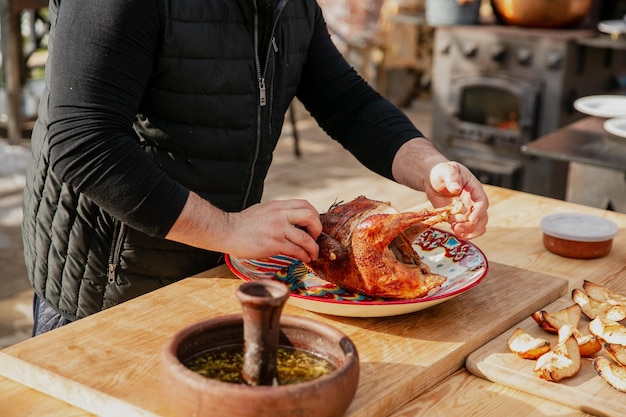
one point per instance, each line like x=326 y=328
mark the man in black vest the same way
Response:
x=156 y=131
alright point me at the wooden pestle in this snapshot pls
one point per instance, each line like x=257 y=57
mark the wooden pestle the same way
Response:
x=262 y=302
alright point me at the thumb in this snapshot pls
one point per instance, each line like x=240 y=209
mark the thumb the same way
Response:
x=446 y=178
x=453 y=186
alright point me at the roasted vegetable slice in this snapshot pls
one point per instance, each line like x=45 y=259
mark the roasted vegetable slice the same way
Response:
x=603 y=294
x=552 y=322
x=611 y=372
x=593 y=308
x=608 y=330
x=563 y=361
x=538 y=317
x=588 y=344
x=569 y=316
x=617 y=352
x=527 y=346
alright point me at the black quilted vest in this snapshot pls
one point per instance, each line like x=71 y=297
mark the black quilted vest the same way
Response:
x=202 y=121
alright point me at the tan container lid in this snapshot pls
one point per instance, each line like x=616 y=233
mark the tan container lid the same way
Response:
x=579 y=227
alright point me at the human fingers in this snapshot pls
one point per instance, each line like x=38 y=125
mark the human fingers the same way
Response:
x=300 y=244
x=478 y=204
x=446 y=179
x=306 y=226
x=466 y=229
x=307 y=219
x=281 y=227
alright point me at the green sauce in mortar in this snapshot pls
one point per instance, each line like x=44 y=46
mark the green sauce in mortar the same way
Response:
x=292 y=365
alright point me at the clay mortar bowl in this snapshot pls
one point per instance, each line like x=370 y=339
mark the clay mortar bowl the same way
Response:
x=191 y=394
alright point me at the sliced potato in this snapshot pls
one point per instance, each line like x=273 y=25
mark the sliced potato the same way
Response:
x=538 y=317
x=563 y=361
x=541 y=322
x=603 y=294
x=608 y=330
x=612 y=312
x=611 y=372
x=588 y=344
x=565 y=332
x=617 y=352
x=551 y=322
x=527 y=346
x=569 y=316
x=592 y=308
x=581 y=298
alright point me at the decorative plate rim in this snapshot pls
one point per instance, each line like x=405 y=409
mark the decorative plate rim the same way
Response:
x=381 y=302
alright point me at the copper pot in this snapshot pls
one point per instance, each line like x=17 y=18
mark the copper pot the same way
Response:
x=541 y=13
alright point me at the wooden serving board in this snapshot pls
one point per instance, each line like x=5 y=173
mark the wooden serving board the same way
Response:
x=20 y=401
x=109 y=363
x=586 y=391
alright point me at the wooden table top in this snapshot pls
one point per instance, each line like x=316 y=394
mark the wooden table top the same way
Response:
x=514 y=238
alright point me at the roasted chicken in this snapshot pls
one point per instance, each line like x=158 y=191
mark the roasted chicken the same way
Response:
x=366 y=247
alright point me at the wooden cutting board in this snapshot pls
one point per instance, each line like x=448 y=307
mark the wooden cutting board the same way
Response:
x=20 y=401
x=109 y=363
x=586 y=391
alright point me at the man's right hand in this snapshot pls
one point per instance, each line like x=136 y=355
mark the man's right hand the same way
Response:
x=286 y=227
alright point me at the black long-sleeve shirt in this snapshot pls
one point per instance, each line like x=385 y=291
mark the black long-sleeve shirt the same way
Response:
x=101 y=61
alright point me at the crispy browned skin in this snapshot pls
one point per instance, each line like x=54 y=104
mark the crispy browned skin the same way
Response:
x=366 y=247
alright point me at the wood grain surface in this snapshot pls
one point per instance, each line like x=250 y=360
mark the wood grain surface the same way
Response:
x=108 y=363
x=20 y=401
x=462 y=394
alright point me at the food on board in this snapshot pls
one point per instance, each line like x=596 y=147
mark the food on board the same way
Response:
x=617 y=352
x=551 y=322
x=608 y=330
x=569 y=316
x=604 y=341
x=526 y=346
x=592 y=308
x=563 y=361
x=612 y=373
x=603 y=294
x=588 y=344
x=366 y=247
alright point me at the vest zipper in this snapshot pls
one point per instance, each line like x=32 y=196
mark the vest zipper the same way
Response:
x=275 y=47
x=119 y=230
x=261 y=73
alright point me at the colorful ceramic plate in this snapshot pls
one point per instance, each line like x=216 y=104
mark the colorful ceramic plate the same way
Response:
x=460 y=261
x=602 y=105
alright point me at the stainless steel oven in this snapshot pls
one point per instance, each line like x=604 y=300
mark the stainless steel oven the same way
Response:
x=495 y=88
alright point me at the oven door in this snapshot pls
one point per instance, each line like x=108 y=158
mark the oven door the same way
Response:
x=494 y=109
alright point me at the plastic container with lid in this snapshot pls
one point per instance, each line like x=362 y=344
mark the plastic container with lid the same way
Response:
x=576 y=235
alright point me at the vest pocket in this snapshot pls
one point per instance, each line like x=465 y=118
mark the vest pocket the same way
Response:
x=119 y=232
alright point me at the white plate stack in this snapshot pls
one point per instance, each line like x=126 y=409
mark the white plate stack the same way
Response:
x=611 y=107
